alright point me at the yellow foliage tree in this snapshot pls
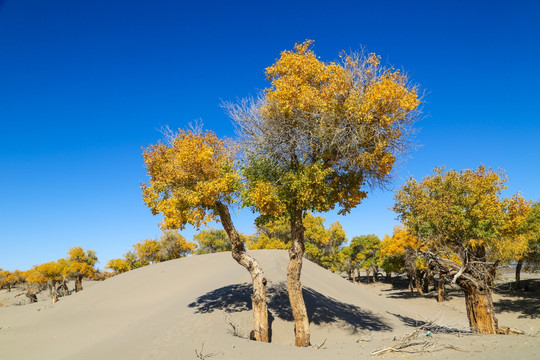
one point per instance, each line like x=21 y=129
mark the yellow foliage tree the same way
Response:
x=317 y=138
x=118 y=266
x=461 y=213
x=193 y=181
x=80 y=265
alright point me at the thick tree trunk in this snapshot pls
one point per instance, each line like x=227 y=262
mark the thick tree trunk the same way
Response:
x=517 y=284
x=352 y=276
x=258 y=298
x=388 y=277
x=78 y=283
x=294 y=286
x=358 y=276
x=479 y=308
x=440 y=288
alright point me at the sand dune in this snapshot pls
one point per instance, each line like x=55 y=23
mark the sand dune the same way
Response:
x=169 y=310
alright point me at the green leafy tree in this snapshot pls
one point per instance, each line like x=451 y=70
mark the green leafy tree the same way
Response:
x=322 y=244
x=212 y=241
x=367 y=253
x=318 y=137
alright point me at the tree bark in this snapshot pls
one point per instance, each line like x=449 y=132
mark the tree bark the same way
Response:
x=425 y=282
x=517 y=283
x=440 y=288
x=388 y=277
x=479 y=308
x=258 y=297
x=294 y=286
x=78 y=283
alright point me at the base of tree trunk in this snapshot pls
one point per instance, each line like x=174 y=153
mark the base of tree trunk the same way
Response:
x=479 y=309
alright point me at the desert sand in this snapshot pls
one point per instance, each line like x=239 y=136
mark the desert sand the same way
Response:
x=199 y=308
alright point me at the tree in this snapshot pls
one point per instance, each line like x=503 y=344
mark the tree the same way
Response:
x=3 y=279
x=392 y=256
x=531 y=257
x=80 y=265
x=193 y=181
x=367 y=253
x=461 y=214
x=14 y=278
x=317 y=138
x=118 y=266
x=322 y=244
x=148 y=251
x=174 y=246
x=212 y=241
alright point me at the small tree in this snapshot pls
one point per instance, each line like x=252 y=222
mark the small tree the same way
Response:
x=148 y=251
x=193 y=181
x=80 y=265
x=461 y=213
x=118 y=266
x=367 y=253
x=318 y=137
x=212 y=241
x=174 y=246
x=14 y=278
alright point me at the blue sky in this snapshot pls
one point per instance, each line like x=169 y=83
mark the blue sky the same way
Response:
x=85 y=84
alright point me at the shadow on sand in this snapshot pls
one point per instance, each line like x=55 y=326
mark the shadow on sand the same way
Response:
x=525 y=301
x=321 y=309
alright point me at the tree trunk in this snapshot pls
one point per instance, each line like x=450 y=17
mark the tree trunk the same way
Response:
x=418 y=285
x=367 y=276
x=258 y=298
x=479 y=308
x=425 y=282
x=351 y=276
x=358 y=276
x=440 y=288
x=517 y=284
x=78 y=283
x=294 y=286
x=388 y=277
x=375 y=273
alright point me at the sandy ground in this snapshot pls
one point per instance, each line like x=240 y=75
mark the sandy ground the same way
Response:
x=201 y=305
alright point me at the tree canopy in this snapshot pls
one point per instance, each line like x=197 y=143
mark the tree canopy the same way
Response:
x=460 y=214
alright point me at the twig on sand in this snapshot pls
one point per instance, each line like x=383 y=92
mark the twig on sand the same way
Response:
x=321 y=345
x=410 y=343
x=202 y=356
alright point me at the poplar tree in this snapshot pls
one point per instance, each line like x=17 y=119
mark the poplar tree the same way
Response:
x=318 y=138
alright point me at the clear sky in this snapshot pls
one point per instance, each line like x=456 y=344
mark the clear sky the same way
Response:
x=84 y=84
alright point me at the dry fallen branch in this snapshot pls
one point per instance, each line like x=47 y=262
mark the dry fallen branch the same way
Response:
x=321 y=345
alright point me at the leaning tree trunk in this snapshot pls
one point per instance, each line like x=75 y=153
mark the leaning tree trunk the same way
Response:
x=479 y=308
x=294 y=286
x=258 y=298
x=517 y=284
